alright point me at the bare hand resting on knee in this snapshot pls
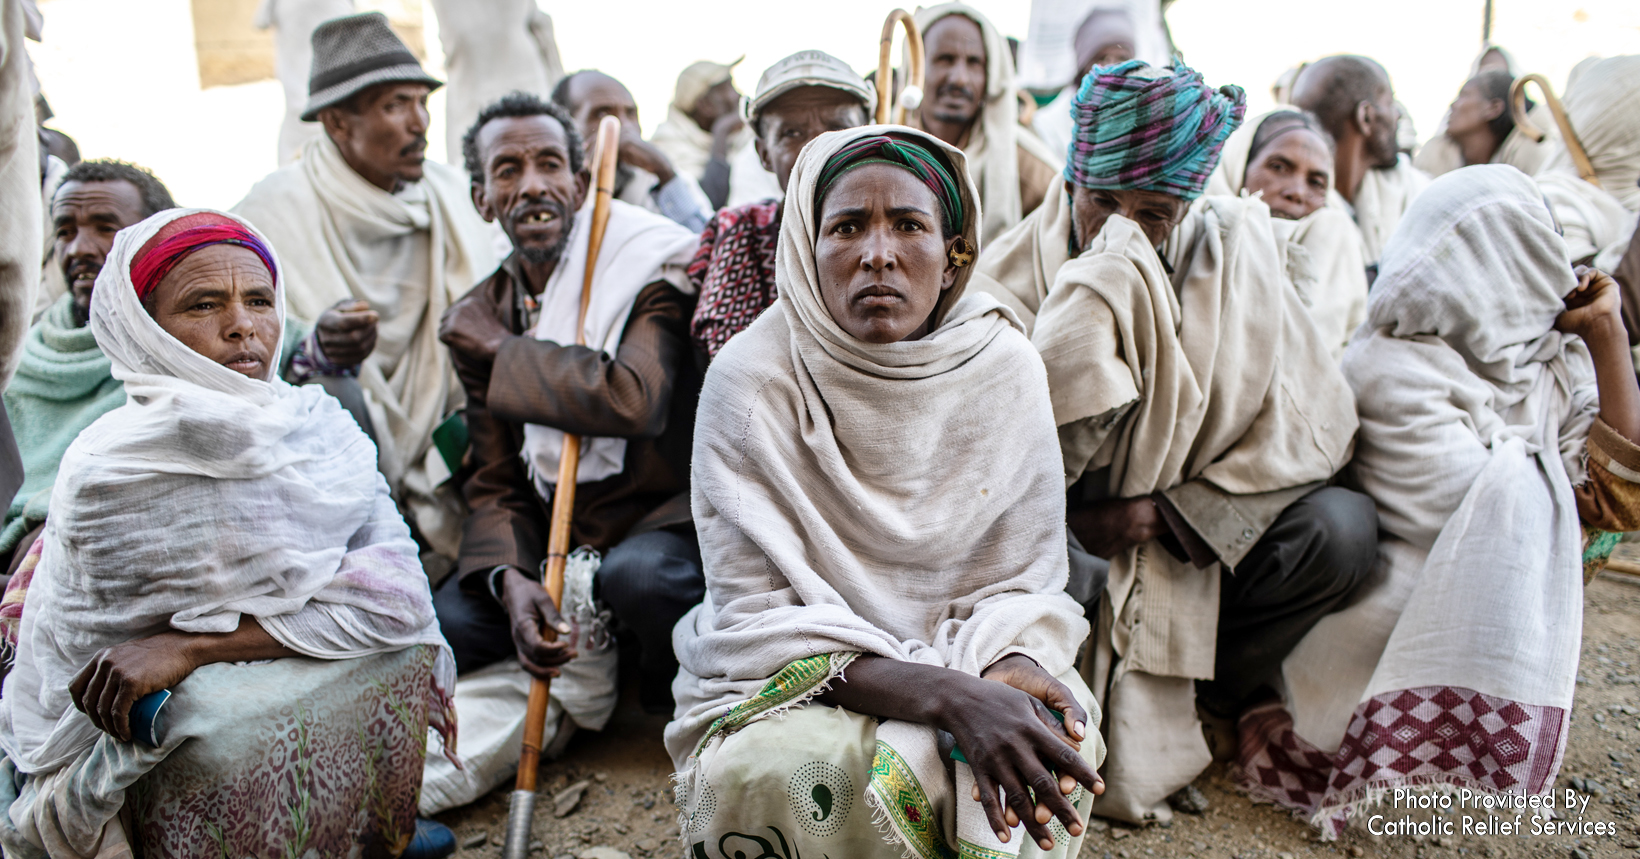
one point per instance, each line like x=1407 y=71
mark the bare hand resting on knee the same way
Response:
x=117 y=676
x=1003 y=725
x=530 y=610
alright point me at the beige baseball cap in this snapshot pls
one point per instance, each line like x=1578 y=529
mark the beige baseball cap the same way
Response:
x=807 y=68
x=698 y=78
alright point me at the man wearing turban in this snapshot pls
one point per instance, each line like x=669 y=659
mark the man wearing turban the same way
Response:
x=1200 y=419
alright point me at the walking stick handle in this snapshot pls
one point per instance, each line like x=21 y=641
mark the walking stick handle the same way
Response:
x=885 y=70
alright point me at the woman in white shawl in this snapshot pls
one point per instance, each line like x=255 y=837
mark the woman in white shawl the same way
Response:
x=220 y=516
x=1499 y=422
x=877 y=488
x=1286 y=157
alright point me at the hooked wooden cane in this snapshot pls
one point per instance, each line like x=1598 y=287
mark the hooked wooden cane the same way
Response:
x=911 y=97
x=1568 y=135
x=521 y=808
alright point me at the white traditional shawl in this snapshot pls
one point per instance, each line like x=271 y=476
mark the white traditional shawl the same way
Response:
x=639 y=248
x=409 y=254
x=1603 y=103
x=901 y=500
x=994 y=142
x=206 y=497
x=1216 y=373
x=1474 y=419
x=20 y=243
x=1333 y=283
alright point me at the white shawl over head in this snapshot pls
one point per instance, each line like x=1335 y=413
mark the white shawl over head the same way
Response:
x=1474 y=419
x=1333 y=282
x=993 y=145
x=901 y=500
x=207 y=496
x=639 y=248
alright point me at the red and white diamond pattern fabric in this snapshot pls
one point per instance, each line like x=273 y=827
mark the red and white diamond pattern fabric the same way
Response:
x=1432 y=735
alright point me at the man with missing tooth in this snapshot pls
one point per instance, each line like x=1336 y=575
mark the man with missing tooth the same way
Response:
x=362 y=216
x=629 y=393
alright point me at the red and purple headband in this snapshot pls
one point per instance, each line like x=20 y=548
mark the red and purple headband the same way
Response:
x=181 y=237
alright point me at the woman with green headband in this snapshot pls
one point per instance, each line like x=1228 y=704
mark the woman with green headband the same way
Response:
x=881 y=509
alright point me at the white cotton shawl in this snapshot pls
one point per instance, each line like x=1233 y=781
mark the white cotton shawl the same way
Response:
x=639 y=248
x=902 y=500
x=207 y=496
x=1333 y=279
x=1384 y=196
x=1474 y=419
x=996 y=138
x=409 y=254
x=1603 y=104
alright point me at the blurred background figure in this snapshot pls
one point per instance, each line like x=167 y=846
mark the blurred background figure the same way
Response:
x=491 y=48
x=292 y=23
x=703 y=127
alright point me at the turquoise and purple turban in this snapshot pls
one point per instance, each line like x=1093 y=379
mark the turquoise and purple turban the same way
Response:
x=1146 y=129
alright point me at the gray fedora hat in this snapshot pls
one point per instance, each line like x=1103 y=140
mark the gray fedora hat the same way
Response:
x=354 y=52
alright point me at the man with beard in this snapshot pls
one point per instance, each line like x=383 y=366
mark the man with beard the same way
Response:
x=64 y=381
x=1356 y=104
x=629 y=394
x=646 y=178
x=362 y=218
x=971 y=104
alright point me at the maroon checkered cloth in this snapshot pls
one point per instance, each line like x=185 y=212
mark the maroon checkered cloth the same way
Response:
x=733 y=272
x=1432 y=735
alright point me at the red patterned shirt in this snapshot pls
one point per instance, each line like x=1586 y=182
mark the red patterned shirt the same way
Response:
x=733 y=272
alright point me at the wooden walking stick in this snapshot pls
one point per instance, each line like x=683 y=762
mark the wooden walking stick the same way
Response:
x=911 y=97
x=1568 y=135
x=521 y=809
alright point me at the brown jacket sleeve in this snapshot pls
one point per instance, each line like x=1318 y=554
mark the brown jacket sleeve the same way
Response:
x=507 y=523
x=581 y=390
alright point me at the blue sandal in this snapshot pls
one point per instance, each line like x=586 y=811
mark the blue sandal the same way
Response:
x=433 y=840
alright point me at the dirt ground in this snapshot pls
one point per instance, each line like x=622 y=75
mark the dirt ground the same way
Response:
x=627 y=810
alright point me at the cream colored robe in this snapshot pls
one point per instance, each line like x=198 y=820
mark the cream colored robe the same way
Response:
x=1603 y=104
x=1383 y=198
x=1214 y=382
x=21 y=237
x=410 y=255
x=1332 y=281
x=491 y=48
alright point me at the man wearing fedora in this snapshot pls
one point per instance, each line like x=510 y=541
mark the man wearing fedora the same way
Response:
x=363 y=223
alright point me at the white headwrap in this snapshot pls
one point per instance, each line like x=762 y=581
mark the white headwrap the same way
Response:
x=207 y=496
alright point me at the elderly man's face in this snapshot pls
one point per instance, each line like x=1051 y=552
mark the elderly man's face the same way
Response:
x=218 y=301
x=86 y=215
x=1292 y=171
x=528 y=184
x=592 y=97
x=382 y=133
x=955 y=75
x=789 y=122
x=1156 y=213
x=882 y=261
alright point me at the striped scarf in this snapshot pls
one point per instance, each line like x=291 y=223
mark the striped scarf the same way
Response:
x=1147 y=129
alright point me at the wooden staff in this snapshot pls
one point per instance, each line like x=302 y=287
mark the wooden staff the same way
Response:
x=521 y=809
x=1568 y=136
x=910 y=97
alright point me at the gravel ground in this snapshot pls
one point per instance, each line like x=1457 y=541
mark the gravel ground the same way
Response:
x=626 y=811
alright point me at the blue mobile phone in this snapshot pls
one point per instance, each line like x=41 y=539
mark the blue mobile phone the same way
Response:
x=145 y=725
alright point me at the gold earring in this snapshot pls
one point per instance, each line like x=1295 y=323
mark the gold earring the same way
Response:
x=961 y=253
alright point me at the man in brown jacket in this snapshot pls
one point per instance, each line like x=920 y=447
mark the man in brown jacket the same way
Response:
x=630 y=395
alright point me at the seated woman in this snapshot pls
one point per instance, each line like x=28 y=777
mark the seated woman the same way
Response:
x=1479 y=127
x=1500 y=433
x=1287 y=157
x=220 y=516
x=878 y=491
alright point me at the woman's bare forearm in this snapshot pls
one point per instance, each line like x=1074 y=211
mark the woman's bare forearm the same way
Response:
x=1615 y=379
x=247 y=643
x=891 y=689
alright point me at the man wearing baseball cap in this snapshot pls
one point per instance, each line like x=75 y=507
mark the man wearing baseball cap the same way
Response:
x=362 y=223
x=703 y=126
x=799 y=98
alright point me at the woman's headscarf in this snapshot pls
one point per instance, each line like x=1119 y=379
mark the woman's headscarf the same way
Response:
x=908 y=155
x=1230 y=177
x=135 y=344
x=1148 y=129
x=796 y=270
